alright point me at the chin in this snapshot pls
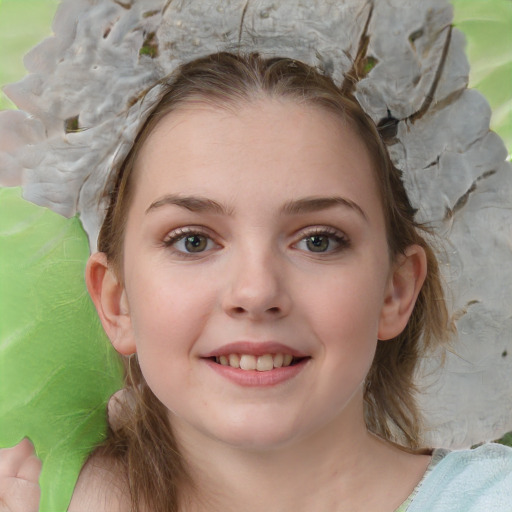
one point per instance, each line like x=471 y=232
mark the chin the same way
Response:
x=258 y=435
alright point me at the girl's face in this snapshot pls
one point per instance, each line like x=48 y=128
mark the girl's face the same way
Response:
x=255 y=236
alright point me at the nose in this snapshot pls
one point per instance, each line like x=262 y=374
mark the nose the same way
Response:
x=257 y=287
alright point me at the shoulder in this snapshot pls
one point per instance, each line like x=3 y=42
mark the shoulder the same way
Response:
x=488 y=456
x=100 y=488
x=487 y=465
x=468 y=481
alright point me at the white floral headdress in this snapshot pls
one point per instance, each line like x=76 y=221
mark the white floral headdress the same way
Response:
x=91 y=86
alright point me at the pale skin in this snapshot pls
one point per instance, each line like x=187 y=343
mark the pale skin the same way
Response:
x=258 y=186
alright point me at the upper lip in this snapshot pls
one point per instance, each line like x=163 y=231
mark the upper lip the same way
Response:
x=254 y=348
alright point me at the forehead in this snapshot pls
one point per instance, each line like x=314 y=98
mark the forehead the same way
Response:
x=295 y=147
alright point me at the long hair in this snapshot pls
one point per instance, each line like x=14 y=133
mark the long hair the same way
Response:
x=143 y=441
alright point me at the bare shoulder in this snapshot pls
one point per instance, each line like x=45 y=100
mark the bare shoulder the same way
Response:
x=100 y=488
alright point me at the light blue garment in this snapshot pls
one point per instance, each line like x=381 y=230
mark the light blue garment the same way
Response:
x=478 y=480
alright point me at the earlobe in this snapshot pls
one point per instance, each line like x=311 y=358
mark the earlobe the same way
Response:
x=404 y=285
x=109 y=296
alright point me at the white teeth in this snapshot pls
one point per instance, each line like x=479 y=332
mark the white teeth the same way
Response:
x=278 y=360
x=234 y=360
x=248 y=362
x=263 y=363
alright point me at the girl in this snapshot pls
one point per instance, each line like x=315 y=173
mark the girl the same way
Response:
x=260 y=269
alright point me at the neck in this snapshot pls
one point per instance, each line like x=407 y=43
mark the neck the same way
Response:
x=329 y=471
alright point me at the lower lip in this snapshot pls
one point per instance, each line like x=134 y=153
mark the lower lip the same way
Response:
x=254 y=378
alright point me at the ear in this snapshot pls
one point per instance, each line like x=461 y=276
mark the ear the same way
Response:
x=109 y=296
x=405 y=282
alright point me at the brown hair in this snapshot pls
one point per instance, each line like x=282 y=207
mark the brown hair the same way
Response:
x=144 y=442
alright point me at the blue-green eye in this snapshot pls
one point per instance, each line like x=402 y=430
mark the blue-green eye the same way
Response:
x=318 y=243
x=194 y=243
x=323 y=242
x=189 y=242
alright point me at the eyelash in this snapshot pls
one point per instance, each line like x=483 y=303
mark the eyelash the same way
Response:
x=189 y=232
x=332 y=234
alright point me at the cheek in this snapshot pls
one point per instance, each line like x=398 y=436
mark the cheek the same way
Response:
x=347 y=302
x=344 y=314
x=168 y=316
x=168 y=309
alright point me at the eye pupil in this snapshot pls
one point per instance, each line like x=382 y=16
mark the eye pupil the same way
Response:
x=195 y=243
x=317 y=243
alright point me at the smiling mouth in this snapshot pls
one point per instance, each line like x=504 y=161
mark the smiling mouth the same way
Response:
x=264 y=363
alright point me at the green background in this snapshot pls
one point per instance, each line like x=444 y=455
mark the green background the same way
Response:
x=57 y=368
x=23 y=24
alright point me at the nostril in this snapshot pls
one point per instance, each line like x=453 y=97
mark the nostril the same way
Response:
x=239 y=310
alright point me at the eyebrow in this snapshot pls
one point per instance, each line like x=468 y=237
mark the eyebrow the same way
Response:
x=192 y=203
x=300 y=206
x=314 y=204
